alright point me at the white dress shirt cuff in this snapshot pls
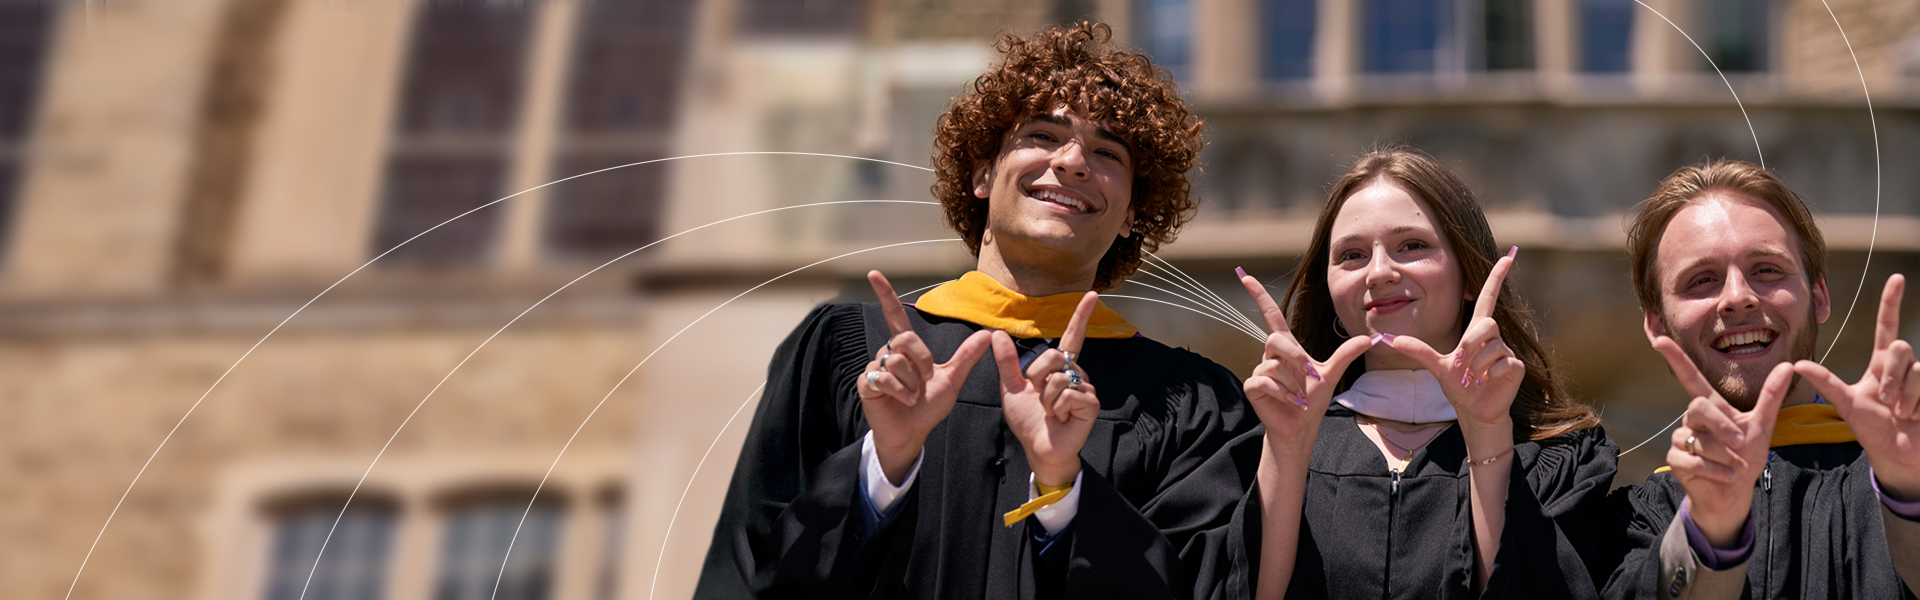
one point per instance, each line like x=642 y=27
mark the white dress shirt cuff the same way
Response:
x=873 y=479
x=1057 y=516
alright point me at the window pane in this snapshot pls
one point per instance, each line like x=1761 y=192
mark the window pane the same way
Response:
x=1740 y=32
x=25 y=26
x=626 y=68
x=1606 y=30
x=610 y=549
x=25 y=29
x=1403 y=36
x=478 y=535
x=604 y=215
x=354 y=565
x=1166 y=34
x=463 y=74
x=802 y=17
x=1289 y=39
x=422 y=192
x=1509 y=34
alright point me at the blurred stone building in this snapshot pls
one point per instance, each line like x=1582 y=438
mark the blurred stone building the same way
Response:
x=215 y=208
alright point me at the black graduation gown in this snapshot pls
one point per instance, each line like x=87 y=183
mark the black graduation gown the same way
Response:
x=1371 y=532
x=788 y=527
x=1818 y=529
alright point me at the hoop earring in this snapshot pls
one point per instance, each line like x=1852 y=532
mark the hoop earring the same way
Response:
x=1341 y=331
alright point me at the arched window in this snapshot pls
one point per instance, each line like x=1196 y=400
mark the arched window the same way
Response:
x=475 y=556
x=458 y=107
x=357 y=543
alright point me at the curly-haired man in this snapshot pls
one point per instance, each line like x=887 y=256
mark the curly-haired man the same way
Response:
x=885 y=462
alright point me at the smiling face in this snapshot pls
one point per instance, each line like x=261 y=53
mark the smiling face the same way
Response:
x=1733 y=292
x=1058 y=195
x=1390 y=270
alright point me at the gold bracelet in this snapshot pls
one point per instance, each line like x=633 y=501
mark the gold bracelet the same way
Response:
x=1490 y=459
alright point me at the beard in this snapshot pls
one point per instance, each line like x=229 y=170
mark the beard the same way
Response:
x=1740 y=384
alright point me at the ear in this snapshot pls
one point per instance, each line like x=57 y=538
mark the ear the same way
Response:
x=1656 y=326
x=1127 y=226
x=1822 y=307
x=983 y=179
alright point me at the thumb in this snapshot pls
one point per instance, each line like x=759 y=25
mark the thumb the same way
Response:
x=1008 y=360
x=1346 y=353
x=969 y=353
x=1772 y=393
x=1830 y=386
x=1417 y=350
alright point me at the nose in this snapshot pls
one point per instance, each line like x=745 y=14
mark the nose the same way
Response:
x=1737 y=297
x=1070 y=161
x=1380 y=268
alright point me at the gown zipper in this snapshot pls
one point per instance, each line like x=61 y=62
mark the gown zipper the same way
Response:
x=1393 y=507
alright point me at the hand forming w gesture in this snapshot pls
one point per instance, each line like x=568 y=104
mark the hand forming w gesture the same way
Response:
x=1289 y=390
x=1883 y=408
x=1718 y=451
x=904 y=393
x=1051 y=406
x=1481 y=375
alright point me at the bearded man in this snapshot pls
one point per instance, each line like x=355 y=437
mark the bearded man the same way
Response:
x=1776 y=489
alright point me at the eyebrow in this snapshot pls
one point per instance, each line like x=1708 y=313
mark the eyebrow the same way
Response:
x=1391 y=232
x=1101 y=132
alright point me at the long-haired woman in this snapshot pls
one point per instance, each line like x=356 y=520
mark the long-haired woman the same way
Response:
x=1419 y=440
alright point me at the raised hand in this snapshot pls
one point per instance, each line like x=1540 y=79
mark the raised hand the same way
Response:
x=1481 y=375
x=1051 y=406
x=1718 y=452
x=1290 y=390
x=1883 y=408
x=903 y=393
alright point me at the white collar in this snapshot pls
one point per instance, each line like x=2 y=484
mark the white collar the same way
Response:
x=1405 y=395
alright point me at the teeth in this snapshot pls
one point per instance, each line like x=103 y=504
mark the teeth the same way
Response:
x=1059 y=198
x=1745 y=337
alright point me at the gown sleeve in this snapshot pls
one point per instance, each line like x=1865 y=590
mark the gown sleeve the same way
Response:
x=1555 y=540
x=790 y=525
x=1643 y=512
x=1158 y=539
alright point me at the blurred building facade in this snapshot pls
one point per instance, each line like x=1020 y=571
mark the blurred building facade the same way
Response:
x=177 y=178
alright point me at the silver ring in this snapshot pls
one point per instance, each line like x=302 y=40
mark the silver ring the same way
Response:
x=883 y=360
x=1073 y=379
x=1690 y=445
x=1070 y=356
x=873 y=380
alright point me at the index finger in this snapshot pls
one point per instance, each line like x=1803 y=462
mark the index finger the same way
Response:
x=897 y=322
x=1490 y=292
x=1887 y=328
x=1276 y=320
x=1077 y=327
x=1684 y=370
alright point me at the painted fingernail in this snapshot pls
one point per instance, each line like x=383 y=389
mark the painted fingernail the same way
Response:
x=1311 y=372
x=1478 y=381
x=1465 y=378
x=1299 y=401
x=1388 y=337
x=1512 y=252
x=1240 y=272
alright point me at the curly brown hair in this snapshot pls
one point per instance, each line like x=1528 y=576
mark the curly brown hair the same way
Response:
x=1123 y=91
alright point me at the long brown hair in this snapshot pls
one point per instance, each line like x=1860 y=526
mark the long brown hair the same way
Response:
x=1542 y=409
